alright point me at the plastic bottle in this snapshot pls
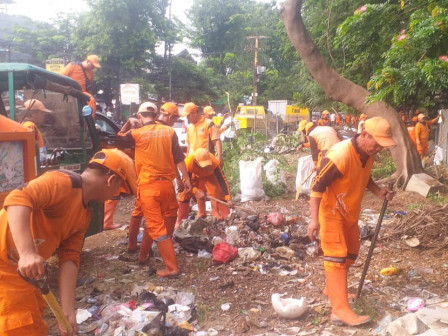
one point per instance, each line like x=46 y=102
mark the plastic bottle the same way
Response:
x=43 y=154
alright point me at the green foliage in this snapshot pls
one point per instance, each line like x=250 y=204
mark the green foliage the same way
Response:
x=383 y=166
x=398 y=52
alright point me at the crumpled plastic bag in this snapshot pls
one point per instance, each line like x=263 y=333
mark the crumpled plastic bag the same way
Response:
x=275 y=218
x=224 y=252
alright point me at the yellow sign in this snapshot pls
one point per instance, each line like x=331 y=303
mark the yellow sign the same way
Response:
x=55 y=65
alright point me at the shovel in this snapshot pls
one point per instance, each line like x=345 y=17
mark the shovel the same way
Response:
x=49 y=297
x=249 y=211
x=372 y=245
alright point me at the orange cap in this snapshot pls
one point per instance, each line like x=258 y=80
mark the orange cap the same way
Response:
x=380 y=130
x=325 y=112
x=302 y=125
x=188 y=108
x=308 y=127
x=145 y=107
x=95 y=60
x=421 y=117
x=209 y=110
x=202 y=156
x=169 y=108
x=34 y=104
x=363 y=116
x=120 y=164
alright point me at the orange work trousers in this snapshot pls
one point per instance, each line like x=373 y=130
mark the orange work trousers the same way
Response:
x=21 y=306
x=157 y=200
x=340 y=242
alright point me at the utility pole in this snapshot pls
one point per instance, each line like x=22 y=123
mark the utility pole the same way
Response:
x=255 y=80
x=170 y=68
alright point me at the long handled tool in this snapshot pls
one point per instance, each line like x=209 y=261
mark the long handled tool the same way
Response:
x=250 y=211
x=372 y=245
x=299 y=189
x=49 y=297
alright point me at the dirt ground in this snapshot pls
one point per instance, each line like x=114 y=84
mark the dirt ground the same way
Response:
x=248 y=290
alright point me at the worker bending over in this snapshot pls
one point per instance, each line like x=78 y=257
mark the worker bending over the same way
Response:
x=336 y=195
x=321 y=139
x=51 y=213
x=204 y=170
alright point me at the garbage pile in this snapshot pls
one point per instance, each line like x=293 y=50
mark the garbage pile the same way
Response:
x=267 y=243
x=149 y=310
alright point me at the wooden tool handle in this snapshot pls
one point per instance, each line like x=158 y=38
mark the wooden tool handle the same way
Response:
x=57 y=311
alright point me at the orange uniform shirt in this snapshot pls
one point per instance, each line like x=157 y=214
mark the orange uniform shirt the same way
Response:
x=411 y=132
x=74 y=71
x=38 y=136
x=213 y=178
x=322 y=138
x=342 y=181
x=201 y=134
x=157 y=151
x=58 y=218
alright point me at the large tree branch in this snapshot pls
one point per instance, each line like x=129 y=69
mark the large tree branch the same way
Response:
x=340 y=89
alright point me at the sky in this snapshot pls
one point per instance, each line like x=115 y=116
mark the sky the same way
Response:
x=47 y=10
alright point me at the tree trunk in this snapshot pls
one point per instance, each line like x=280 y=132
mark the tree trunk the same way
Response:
x=336 y=87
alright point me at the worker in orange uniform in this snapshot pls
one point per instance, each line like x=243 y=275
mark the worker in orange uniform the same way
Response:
x=51 y=213
x=321 y=139
x=422 y=131
x=336 y=195
x=305 y=128
x=337 y=119
x=324 y=119
x=168 y=115
x=82 y=72
x=209 y=112
x=411 y=130
x=34 y=117
x=157 y=158
x=201 y=132
x=362 y=120
x=204 y=167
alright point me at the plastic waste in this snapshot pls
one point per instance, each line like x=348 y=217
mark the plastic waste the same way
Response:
x=82 y=315
x=312 y=249
x=275 y=218
x=204 y=254
x=289 y=308
x=225 y=306
x=415 y=304
x=388 y=271
x=232 y=234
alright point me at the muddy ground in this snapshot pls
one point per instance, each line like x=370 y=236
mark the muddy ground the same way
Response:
x=423 y=274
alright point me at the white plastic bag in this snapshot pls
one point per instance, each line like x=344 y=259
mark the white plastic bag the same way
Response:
x=271 y=168
x=304 y=168
x=250 y=180
x=438 y=157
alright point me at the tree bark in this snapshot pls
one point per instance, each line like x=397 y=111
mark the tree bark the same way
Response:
x=336 y=87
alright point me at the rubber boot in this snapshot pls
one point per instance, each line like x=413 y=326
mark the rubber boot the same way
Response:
x=201 y=208
x=109 y=210
x=337 y=292
x=166 y=249
x=134 y=229
x=215 y=209
x=348 y=263
x=170 y=223
x=182 y=213
x=223 y=211
x=145 y=247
